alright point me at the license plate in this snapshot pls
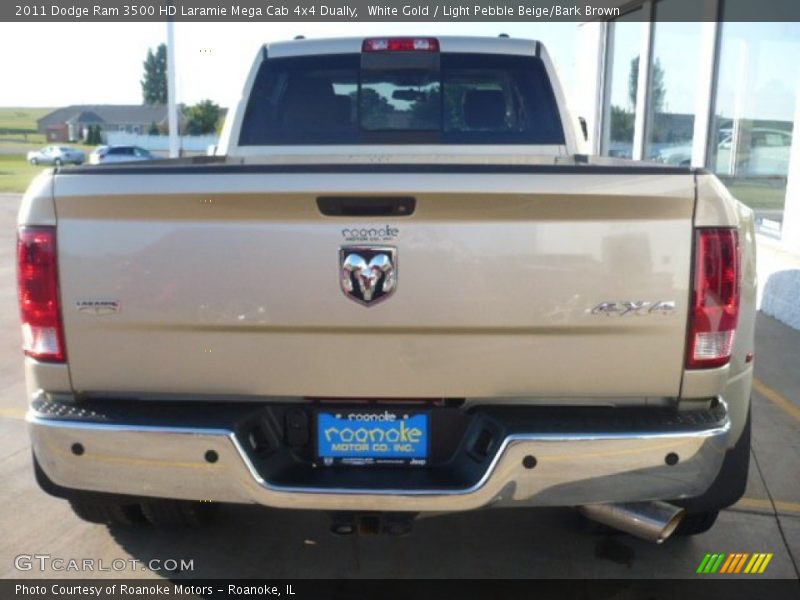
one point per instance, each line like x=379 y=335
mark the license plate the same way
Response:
x=379 y=437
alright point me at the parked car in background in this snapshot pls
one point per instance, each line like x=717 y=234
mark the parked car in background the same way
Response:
x=766 y=154
x=94 y=157
x=763 y=152
x=109 y=154
x=56 y=155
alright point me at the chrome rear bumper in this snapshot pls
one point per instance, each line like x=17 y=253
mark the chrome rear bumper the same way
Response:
x=569 y=469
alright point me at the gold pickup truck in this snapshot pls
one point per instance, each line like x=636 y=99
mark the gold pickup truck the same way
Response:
x=400 y=289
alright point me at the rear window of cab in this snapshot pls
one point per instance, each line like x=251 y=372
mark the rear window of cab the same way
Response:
x=447 y=98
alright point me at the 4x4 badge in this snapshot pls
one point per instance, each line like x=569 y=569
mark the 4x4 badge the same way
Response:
x=368 y=274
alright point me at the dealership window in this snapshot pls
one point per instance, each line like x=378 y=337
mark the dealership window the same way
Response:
x=752 y=123
x=624 y=46
x=721 y=91
x=673 y=85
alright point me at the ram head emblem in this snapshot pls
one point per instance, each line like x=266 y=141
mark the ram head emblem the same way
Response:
x=368 y=274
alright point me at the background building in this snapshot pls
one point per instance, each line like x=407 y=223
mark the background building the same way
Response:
x=653 y=85
x=71 y=122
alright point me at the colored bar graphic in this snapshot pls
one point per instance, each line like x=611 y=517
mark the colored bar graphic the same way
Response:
x=754 y=563
x=737 y=557
x=727 y=565
x=730 y=564
x=703 y=563
x=764 y=564
x=718 y=563
x=741 y=562
x=734 y=563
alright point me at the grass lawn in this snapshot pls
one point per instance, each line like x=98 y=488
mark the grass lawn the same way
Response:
x=16 y=173
x=13 y=117
x=16 y=125
x=756 y=194
x=20 y=144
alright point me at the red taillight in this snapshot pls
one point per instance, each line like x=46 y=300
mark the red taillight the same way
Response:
x=400 y=45
x=37 y=283
x=715 y=300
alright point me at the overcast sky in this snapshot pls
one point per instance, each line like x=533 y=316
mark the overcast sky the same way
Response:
x=56 y=64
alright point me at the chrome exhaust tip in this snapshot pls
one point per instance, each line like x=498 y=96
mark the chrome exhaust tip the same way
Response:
x=651 y=521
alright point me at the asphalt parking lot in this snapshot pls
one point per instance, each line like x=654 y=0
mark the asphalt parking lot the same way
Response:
x=254 y=542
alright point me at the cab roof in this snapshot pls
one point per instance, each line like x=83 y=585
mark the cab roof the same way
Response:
x=352 y=45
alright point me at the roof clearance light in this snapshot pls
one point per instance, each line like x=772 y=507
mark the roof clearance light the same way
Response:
x=400 y=45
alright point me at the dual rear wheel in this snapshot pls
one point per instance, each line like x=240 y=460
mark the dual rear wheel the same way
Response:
x=154 y=512
x=728 y=487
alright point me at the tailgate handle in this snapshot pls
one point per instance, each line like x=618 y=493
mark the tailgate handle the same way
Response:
x=366 y=206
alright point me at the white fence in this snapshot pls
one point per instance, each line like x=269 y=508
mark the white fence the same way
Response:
x=160 y=143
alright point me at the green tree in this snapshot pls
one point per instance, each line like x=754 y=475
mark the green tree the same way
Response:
x=202 y=118
x=427 y=109
x=375 y=110
x=154 y=83
x=657 y=90
x=93 y=136
x=621 y=124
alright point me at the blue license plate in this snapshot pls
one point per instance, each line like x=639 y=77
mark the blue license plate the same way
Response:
x=363 y=437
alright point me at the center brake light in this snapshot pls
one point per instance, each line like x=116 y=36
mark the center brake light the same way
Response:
x=37 y=287
x=400 y=45
x=715 y=298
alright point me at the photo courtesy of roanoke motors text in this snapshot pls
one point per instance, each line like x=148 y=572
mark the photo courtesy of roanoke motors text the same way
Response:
x=356 y=299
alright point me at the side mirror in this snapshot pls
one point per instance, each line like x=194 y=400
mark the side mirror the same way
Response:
x=584 y=128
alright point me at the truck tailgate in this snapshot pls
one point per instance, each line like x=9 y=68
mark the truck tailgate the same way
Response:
x=227 y=283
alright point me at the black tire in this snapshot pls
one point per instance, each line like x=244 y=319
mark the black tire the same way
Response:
x=107 y=513
x=58 y=162
x=180 y=513
x=697 y=523
x=727 y=488
x=34 y=161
